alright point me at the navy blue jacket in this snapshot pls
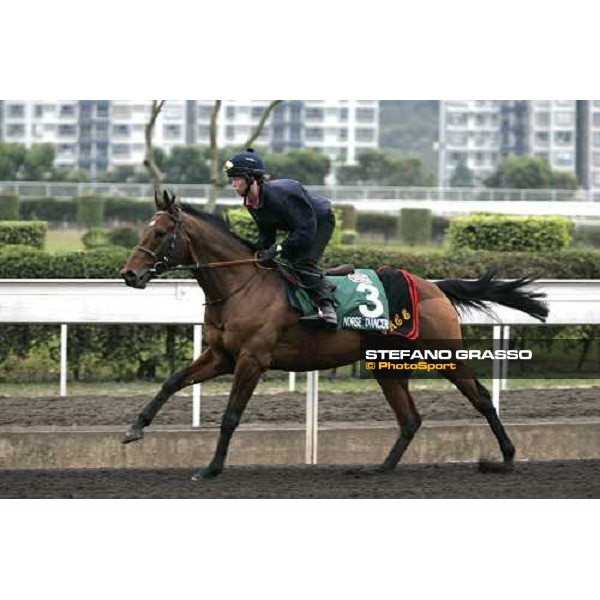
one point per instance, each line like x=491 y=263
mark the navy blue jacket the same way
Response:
x=286 y=205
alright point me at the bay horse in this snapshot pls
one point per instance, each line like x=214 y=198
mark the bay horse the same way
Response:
x=250 y=326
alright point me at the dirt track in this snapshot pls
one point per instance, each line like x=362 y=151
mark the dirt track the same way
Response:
x=566 y=479
x=574 y=479
x=291 y=408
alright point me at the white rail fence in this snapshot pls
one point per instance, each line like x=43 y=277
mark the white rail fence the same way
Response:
x=107 y=301
x=49 y=189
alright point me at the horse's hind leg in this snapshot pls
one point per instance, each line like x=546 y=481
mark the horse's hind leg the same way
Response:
x=398 y=397
x=480 y=398
x=205 y=367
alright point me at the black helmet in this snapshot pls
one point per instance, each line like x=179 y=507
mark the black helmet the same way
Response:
x=243 y=164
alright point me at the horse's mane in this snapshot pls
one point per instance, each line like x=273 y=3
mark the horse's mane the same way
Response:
x=219 y=223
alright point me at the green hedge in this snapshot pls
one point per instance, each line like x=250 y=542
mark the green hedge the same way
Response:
x=415 y=226
x=375 y=222
x=48 y=209
x=126 y=210
x=509 y=233
x=9 y=208
x=90 y=211
x=575 y=263
x=31 y=234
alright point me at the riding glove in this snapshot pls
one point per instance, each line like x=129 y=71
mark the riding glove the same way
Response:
x=270 y=254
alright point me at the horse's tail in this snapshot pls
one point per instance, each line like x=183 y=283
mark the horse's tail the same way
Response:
x=474 y=294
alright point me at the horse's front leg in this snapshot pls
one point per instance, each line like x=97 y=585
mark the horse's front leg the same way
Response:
x=247 y=373
x=208 y=365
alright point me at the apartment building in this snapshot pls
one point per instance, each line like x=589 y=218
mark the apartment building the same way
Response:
x=100 y=135
x=479 y=133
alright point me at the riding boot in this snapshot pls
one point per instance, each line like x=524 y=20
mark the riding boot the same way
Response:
x=324 y=317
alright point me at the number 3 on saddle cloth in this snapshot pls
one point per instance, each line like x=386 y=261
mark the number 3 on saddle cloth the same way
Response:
x=385 y=301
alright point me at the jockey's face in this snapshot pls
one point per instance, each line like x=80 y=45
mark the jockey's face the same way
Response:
x=240 y=186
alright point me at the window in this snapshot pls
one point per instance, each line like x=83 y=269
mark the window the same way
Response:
x=121 y=111
x=542 y=119
x=120 y=130
x=596 y=119
x=295 y=133
x=596 y=159
x=563 y=159
x=39 y=110
x=564 y=118
x=204 y=112
x=102 y=109
x=563 y=138
x=596 y=139
x=257 y=112
x=278 y=131
x=172 y=132
x=542 y=138
x=15 y=130
x=596 y=179
x=66 y=149
x=173 y=112
x=343 y=134
x=541 y=103
x=314 y=134
x=203 y=132
x=230 y=132
x=230 y=113
x=365 y=115
x=457 y=118
x=457 y=139
x=343 y=114
x=15 y=111
x=564 y=103
x=67 y=110
x=314 y=114
x=66 y=130
x=121 y=150
x=543 y=155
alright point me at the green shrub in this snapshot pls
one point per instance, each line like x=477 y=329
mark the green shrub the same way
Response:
x=587 y=234
x=128 y=210
x=95 y=237
x=242 y=223
x=9 y=208
x=415 y=226
x=32 y=233
x=127 y=237
x=90 y=211
x=48 y=209
x=379 y=223
x=439 y=227
x=349 y=236
x=509 y=233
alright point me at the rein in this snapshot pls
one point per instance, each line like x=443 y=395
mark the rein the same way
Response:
x=162 y=259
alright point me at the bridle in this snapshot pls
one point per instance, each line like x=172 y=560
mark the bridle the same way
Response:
x=163 y=258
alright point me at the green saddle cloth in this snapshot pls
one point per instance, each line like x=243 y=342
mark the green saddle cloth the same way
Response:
x=361 y=302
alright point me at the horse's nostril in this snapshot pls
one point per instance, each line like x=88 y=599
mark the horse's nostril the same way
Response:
x=129 y=277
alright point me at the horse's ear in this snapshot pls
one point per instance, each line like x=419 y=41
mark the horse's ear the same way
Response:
x=159 y=200
x=169 y=199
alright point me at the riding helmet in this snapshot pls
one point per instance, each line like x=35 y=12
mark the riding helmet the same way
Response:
x=244 y=163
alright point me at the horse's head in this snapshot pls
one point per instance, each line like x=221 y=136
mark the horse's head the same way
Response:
x=163 y=244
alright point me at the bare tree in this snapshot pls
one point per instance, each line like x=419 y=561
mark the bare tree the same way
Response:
x=214 y=150
x=149 y=162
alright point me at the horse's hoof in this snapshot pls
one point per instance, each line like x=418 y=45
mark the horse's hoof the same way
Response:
x=206 y=473
x=133 y=434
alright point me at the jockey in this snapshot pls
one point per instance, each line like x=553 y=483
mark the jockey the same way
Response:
x=284 y=204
